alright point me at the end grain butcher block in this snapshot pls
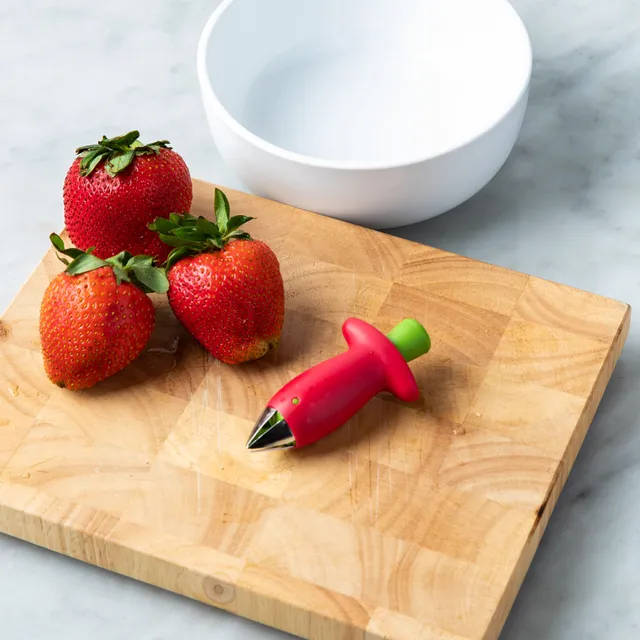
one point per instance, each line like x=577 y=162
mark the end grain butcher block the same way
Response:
x=410 y=522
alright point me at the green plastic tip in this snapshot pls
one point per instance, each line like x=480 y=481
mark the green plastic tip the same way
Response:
x=410 y=338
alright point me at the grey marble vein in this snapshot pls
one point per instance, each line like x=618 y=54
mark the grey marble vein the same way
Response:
x=566 y=207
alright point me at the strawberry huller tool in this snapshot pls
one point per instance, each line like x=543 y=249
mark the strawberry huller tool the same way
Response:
x=323 y=398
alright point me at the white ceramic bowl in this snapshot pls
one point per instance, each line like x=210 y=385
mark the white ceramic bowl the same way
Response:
x=380 y=112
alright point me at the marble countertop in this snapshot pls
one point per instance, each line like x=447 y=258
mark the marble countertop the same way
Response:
x=565 y=207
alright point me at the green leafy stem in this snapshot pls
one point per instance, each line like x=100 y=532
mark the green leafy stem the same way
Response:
x=190 y=235
x=117 y=153
x=138 y=270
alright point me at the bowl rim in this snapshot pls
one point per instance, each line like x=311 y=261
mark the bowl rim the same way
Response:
x=312 y=161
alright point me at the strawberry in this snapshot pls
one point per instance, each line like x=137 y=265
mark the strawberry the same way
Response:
x=225 y=287
x=115 y=188
x=95 y=317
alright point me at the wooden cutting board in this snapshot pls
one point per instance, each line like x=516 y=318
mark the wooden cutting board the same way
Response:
x=411 y=522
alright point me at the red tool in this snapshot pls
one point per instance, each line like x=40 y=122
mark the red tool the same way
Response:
x=323 y=398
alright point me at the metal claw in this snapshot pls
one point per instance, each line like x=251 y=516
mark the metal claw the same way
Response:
x=271 y=431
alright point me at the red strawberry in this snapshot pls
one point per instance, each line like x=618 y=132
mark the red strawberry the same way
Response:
x=225 y=288
x=95 y=318
x=115 y=188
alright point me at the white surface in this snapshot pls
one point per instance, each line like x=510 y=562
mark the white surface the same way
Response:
x=383 y=113
x=564 y=207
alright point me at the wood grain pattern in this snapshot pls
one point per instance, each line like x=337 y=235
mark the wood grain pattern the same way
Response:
x=410 y=523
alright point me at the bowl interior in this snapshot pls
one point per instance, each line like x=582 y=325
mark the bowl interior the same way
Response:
x=367 y=81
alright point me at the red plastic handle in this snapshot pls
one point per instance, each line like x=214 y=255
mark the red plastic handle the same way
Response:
x=323 y=398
